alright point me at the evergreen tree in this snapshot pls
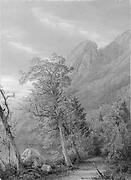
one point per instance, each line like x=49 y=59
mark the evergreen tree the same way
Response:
x=79 y=118
x=78 y=129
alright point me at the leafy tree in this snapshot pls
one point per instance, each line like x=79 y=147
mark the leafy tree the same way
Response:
x=48 y=98
x=116 y=134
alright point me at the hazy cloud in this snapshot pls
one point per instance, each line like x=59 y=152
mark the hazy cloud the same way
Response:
x=12 y=33
x=59 y=23
x=14 y=37
x=27 y=48
x=53 y=21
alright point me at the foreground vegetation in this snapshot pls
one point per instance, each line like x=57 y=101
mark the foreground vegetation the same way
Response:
x=65 y=128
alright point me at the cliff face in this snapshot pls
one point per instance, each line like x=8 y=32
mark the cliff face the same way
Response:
x=83 y=56
x=101 y=75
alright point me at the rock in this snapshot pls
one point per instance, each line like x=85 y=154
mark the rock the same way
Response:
x=32 y=157
x=46 y=168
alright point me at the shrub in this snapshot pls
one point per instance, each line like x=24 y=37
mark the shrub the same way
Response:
x=10 y=171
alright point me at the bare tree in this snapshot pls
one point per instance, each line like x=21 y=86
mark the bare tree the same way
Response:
x=4 y=115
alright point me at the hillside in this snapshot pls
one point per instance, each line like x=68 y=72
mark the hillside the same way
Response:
x=101 y=75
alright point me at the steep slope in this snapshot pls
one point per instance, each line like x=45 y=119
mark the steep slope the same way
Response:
x=101 y=75
x=83 y=55
x=83 y=59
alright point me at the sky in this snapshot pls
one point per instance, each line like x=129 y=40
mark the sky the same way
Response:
x=31 y=28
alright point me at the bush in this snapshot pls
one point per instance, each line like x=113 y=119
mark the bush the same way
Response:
x=117 y=137
x=10 y=171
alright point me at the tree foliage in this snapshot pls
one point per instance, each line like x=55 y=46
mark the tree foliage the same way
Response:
x=48 y=98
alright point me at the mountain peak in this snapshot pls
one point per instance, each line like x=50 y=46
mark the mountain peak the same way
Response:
x=83 y=55
x=124 y=37
x=87 y=57
x=101 y=75
x=116 y=48
x=85 y=45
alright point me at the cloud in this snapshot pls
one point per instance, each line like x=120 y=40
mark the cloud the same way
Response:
x=14 y=37
x=12 y=33
x=58 y=23
x=53 y=21
x=27 y=48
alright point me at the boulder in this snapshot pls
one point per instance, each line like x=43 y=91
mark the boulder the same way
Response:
x=46 y=168
x=32 y=157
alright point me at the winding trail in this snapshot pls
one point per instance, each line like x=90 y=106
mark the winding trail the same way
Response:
x=86 y=170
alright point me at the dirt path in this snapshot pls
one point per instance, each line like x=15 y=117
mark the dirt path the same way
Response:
x=85 y=171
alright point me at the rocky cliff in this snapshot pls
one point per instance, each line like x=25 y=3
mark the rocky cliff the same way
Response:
x=101 y=75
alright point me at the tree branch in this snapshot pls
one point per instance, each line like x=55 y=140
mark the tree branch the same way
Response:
x=5 y=102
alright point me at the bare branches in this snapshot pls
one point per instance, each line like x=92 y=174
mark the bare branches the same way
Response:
x=5 y=98
x=5 y=102
x=8 y=127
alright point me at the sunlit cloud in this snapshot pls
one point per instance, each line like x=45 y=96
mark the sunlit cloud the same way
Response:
x=53 y=21
x=21 y=46
x=15 y=38
x=58 y=23
x=12 y=34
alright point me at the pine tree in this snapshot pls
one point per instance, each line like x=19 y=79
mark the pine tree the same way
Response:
x=77 y=125
x=124 y=112
x=79 y=118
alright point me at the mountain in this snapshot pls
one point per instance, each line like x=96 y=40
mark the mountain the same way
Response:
x=101 y=75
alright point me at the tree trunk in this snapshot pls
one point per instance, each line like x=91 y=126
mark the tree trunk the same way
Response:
x=76 y=150
x=12 y=141
x=63 y=144
x=9 y=149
